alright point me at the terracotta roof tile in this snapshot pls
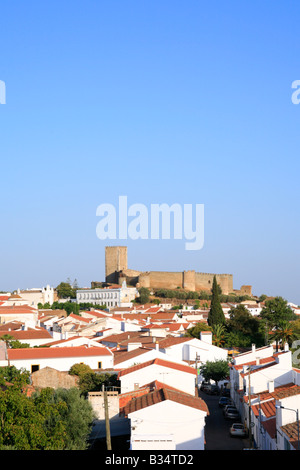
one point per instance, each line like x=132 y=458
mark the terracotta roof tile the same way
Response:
x=270 y=426
x=58 y=352
x=267 y=407
x=160 y=362
x=291 y=430
x=161 y=395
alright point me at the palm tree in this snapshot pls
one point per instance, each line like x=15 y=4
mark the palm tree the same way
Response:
x=284 y=333
x=218 y=335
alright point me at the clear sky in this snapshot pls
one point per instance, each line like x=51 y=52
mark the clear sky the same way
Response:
x=163 y=101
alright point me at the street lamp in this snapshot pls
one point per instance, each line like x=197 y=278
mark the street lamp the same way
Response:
x=297 y=418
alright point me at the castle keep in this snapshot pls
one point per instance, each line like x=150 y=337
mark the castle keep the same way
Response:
x=116 y=271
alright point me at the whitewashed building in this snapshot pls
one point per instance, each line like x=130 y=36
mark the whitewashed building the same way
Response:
x=181 y=377
x=110 y=296
x=61 y=359
x=167 y=419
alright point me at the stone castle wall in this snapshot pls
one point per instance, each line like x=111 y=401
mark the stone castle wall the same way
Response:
x=116 y=271
x=115 y=261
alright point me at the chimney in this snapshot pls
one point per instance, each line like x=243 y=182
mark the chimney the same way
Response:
x=271 y=386
x=157 y=345
x=206 y=336
x=253 y=348
x=257 y=361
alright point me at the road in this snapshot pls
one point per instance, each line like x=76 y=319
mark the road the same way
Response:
x=119 y=431
x=217 y=428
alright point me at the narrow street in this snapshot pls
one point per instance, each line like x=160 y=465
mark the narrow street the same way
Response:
x=217 y=427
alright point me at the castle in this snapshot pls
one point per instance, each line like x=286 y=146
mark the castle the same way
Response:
x=116 y=271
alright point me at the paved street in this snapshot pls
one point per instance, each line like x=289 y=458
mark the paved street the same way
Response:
x=217 y=428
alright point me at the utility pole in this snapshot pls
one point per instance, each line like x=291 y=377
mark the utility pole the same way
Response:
x=107 y=427
x=249 y=397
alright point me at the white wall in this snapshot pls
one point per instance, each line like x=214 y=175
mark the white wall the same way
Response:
x=61 y=363
x=187 y=351
x=253 y=354
x=175 y=378
x=147 y=356
x=185 y=424
x=281 y=373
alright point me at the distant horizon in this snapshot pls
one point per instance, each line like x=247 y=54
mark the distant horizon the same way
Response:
x=191 y=103
x=87 y=283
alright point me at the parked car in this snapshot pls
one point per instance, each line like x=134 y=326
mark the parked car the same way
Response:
x=205 y=386
x=224 y=401
x=238 y=430
x=213 y=390
x=232 y=413
x=229 y=405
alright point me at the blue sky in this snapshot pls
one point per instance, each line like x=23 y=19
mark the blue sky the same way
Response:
x=162 y=101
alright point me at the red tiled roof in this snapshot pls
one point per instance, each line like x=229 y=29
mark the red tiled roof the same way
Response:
x=270 y=426
x=27 y=334
x=16 y=309
x=160 y=362
x=259 y=368
x=283 y=391
x=79 y=318
x=264 y=360
x=13 y=325
x=291 y=430
x=59 y=352
x=267 y=407
x=161 y=395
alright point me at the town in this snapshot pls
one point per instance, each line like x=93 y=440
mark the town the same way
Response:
x=149 y=368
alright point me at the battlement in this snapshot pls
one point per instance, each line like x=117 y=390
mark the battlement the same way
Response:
x=116 y=268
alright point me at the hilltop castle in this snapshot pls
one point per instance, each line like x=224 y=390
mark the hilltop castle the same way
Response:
x=116 y=271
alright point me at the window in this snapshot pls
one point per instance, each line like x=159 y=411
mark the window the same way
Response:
x=34 y=368
x=99 y=365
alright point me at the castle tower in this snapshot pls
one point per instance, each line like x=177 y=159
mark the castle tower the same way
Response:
x=115 y=261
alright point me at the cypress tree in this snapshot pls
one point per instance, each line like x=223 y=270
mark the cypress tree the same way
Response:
x=216 y=315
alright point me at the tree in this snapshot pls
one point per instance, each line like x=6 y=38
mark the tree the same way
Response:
x=144 y=295
x=283 y=333
x=48 y=420
x=90 y=381
x=243 y=326
x=77 y=415
x=218 y=335
x=195 y=331
x=275 y=311
x=215 y=370
x=65 y=291
x=216 y=315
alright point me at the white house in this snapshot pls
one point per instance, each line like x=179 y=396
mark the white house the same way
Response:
x=37 y=295
x=61 y=359
x=137 y=354
x=21 y=313
x=287 y=422
x=166 y=419
x=193 y=350
x=110 y=296
x=171 y=373
x=31 y=336
x=278 y=372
